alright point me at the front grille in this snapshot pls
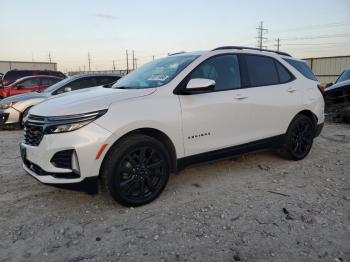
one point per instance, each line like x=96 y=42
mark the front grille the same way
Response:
x=33 y=130
x=63 y=159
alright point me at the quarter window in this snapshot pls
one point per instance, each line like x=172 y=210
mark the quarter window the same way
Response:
x=303 y=68
x=224 y=70
x=283 y=73
x=261 y=70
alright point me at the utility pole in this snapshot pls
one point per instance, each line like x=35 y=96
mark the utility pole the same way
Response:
x=49 y=57
x=135 y=63
x=89 y=60
x=278 y=44
x=127 y=61
x=261 y=32
x=113 y=66
x=153 y=57
x=133 y=60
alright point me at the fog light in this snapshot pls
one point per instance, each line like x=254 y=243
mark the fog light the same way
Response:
x=75 y=164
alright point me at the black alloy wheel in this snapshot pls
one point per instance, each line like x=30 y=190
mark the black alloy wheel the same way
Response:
x=137 y=170
x=299 y=138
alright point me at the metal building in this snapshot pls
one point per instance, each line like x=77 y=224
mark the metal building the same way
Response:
x=327 y=69
x=9 y=65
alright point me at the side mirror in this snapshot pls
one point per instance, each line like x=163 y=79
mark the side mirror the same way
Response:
x=67 y=89
x=19 y=87
x=200 y=85
x=328 y=85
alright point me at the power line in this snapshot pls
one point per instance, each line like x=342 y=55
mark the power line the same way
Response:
x=319 y=26
x=317 y=37
x=261 y=32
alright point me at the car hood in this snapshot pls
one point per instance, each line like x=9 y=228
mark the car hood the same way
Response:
x=338 y=85
x=23 y=97
x=86 y=100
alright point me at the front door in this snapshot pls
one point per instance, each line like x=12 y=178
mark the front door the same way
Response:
x=217 y=119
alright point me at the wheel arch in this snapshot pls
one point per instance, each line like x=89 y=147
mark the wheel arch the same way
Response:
x=152 y=132
x=309 y=114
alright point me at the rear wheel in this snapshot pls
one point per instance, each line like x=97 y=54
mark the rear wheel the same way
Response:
x=136 y=170
x=299 y=138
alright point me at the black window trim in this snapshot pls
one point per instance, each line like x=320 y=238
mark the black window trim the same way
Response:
x=181 y=87
x=275 y=61
x=242 y=71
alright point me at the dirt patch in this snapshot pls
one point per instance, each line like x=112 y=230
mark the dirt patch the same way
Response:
x=257 y=207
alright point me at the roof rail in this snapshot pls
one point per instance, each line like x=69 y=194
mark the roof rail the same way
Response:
x=250 y=48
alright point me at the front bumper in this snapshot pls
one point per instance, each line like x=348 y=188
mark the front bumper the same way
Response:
x=9 y=116
x=86 y=142
x=3 y=117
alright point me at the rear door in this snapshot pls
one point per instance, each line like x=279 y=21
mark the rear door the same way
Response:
x=273 y=96
x=25 y=86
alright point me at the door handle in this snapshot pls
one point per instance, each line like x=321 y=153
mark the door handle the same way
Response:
x=291 y=90
x=240 y=97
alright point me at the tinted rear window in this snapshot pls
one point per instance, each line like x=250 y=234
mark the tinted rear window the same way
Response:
x=302 y=67
x=261 y=70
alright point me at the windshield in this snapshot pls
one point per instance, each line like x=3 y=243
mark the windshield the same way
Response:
x=157 y=73
x=58 y=85
x=344 y=76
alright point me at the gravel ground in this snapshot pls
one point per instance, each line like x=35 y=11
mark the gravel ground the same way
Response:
x=255 y=208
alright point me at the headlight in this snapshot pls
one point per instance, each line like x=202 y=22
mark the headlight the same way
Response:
x=62 y=124
x=7 y=105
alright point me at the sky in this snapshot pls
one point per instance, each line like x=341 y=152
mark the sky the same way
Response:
x=67 y=30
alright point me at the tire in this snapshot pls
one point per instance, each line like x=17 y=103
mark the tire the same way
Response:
x=299 y=138
x=136 y=170
x=24 y=114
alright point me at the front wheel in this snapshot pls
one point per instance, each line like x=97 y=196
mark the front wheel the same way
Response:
x=136 y=170
x=299 y=138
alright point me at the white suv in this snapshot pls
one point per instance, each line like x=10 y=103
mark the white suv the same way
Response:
x=177 y=111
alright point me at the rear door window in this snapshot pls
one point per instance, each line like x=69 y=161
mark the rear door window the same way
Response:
x=261 y=70
x=302 y=67
x=33 y=82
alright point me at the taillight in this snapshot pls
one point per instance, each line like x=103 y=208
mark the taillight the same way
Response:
x=321 y=87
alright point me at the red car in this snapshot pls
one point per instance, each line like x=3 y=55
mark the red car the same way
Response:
x=28 y=84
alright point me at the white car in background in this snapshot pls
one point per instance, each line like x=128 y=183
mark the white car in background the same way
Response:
x=15 y=108
x=175 y=112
